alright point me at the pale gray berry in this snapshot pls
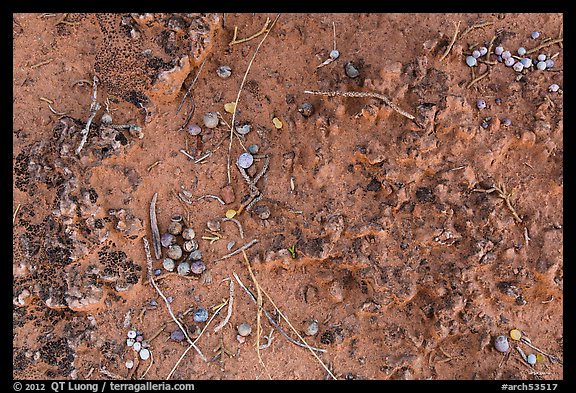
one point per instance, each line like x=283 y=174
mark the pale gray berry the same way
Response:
x=245 y=160
x=541 y=57
x=526 y=62
x=553 y=88
x=481 y=104
x=201 y=315
x=129 y=364
x=535 y=35
x=531 y=359
x=214 y=225
x=509 y=62
x=195 y=255
x=549 y=63
x=476 y=54
x=144 y=354
x=244 y=329
x=194 y=129
x=184 y=268
x=312 y=328
x=483 y=50
x=350 y=70
x=498 y=50
x=130 y=342
x=244 y=129
x=506 y=55
x=224 y=71
x=501 y=344
x=521 y=51
x=253 y=149
x=106 y=118
x=137 y=346
x=541 y=65
x=174 y=252
x=211 y=120
x=131 y=334
x=518 y=67
x=334 y=54
x=168 y=264
x=471 y=61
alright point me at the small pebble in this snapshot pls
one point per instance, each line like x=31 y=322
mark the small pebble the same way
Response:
x=144 y=354
x=476 y=54
x=224 y=71
x=506 y=55
x=485 y=124
x=541 y=65
x=499 y=58
x=253 y=149
x=471 y=61
x=245 y=160
x=177 y=335
x=535 y=35
x=106 y=118
x=549 y=63
x=501 y=344
x=197 y=267
x=334 y=54
x=201 y=315
x=240 y=339
x=167 y=239
x=262 y=211
x=194 y=129
x=190 y=245
x=244 y=129
x=230 y=107
x=137 y=346
x=153 y=303
x=130 y=342
x=498 y=50
x=553 y=88
x=131 y=334
x=518 y=67
x=175 y=228
x=506 y=122
x=480 y=104
x=541 y=57
x=526 y=62
x=244 y=329
x=531 y=359
x=483 y=50
x=211 y=120
x=188 y=234
x=277 y=123
x=306 y=109
x=129 y=364
x=351 y=71
x=170 y=299
x=521 y=51
x=195 y=255
x=174 y=252
x=230 y=245
x=183 y=268
x=515 y=334
x=312 y=328
x=168 y=264
x=509 y=62
x=157 y=272
x=139 y=339
x=227 y=194
x=498 y=100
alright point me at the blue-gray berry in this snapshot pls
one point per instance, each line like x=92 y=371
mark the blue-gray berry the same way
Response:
x=541 y=57
x=253 y=149
x=501 y=344
x=483 y=50
x=554 y=88
x=518 y=67
x=506 y=55
x=526 y=62
x=535 y=35
x=506 y=122
x=521 y=51
x=531 y=359
x=541 y=65
x=194 y=129
x=476 y=54
x=498 y=50
x=471 y=61
x=481 y=104
x=245 y=160
x=549 y=63
x=201 y=315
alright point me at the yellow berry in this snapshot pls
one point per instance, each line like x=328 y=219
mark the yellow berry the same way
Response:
x=230 y=107
x=515 y=334
x=277 y=122
x=231 y=213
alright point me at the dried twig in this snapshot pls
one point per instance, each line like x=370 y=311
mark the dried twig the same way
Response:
x=501 y=193
x=94 y=107
x=191 y=86
x=237 y=224
x=556 y=41
x=229 y=313
x=154 y=227
x=153 y=165
x=449 y=48
x=15 y=214
x=476 y=26
x=479 y=78
x=42 y=63
x=363 y=94
x=240 y=91
x=212 y=197
x=243 y=248
x=187 y=154
x=259 y=310
x=263 y=30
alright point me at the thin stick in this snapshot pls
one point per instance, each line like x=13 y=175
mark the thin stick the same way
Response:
x=55 y=112
x=15 y=213
x=81 y=82
x=42 y=63
x=149 y=366
x=154 y=227
x=263 y=30
x=191 y=86
x=334 y=30
x=480 y=25
x=490 y=48
x=94 y=107
x=149 y=257
x=451 y=42
x=212 y=197
x=272 y=319
x=187 y=154
x=240 y=91
x=244 y=247
x=362 y=94
x=46 y=100
x=237 y=224
x=479 y=78
x=190 y=346
x=259 y=311
x=229 y=313
x=556 y=41
x=162 y=328
x=153 y=165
